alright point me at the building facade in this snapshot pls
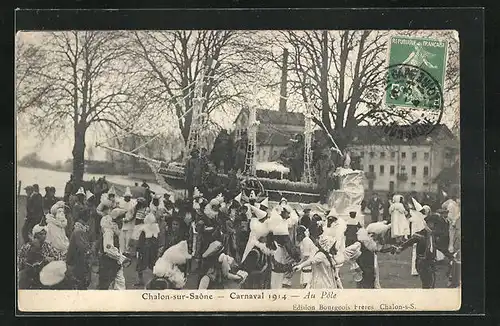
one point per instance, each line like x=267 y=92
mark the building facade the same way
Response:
x=402 y=165
x=275 y=131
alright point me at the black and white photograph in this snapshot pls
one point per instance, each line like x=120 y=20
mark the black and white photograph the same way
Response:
x=265 y=162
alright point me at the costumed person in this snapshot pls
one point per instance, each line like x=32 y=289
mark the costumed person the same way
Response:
x=79 y=208
x=400 y=227
x=140 y=212
x=108 y=200
x=211 y=228
x=305 y=220
x=167 y=272
x=79 y=256
x=195 y=225
x=256 y=258
x=157 y=207
x=426 y=252
x=94 y=220
x=218 y=267
x=242 y=225
x=229 y=232
x=111 y=260
x=453 y=208
x=127 y=228
x=323 y=265
x=252 y=198
x=417 y=221
x=307 y=249
x=56 y=227
x=286 y=253
x=372 y=240
x=316 y=227
x=193 y=172
x=375 y=205
x=49 y=199
x=264 y=205
x=170 y=234
x=33 y=256
x=147 y=247
x=292 y=219
x=335 y=227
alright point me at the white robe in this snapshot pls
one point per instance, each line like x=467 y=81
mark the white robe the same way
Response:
x=399 y=223
x=56 y=232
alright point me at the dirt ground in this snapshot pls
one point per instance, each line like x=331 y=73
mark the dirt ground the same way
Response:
x=395 y=270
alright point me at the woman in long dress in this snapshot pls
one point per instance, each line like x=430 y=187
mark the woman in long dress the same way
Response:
x=56 y=228
x=400 y=227
x=324 y=264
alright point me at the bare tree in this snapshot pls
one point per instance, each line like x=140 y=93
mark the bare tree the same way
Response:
x=340 y=73
x=174 y=60
x=79 y=80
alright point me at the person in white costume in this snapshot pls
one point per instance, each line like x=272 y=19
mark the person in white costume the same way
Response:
x=111 y=260
x=400 y=227
x=417 y=221
x=108 y=200
x=56 y=227
x=324 y=263
x=128 y=204
x=307 y=249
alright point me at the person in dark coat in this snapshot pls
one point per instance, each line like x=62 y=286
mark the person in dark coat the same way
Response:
x=375 y=205
x=69 y=188
x=49 y=199
x=193 y=173
x=426 y=251
x=305 y=220
x=34 y=212
x=147 y=247
x=77 y=212
x=79 y=254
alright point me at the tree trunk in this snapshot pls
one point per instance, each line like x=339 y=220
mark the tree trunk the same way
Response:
x=79 y=153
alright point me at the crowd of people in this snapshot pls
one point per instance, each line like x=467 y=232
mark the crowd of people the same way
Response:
x=221 y=238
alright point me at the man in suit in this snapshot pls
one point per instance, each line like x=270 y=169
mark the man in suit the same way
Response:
x=375 y=205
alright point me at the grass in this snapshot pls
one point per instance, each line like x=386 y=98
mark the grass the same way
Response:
x=395 y=270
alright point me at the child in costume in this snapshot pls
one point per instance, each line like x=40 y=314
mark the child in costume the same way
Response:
x=307 y=249
x=56 y=227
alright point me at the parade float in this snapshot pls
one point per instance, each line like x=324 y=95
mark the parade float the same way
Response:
x=270 y=176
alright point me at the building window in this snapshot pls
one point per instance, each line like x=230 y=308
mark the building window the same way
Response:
x=391 y=186
x=382 y=170
x=413 y=170
x=393 y=154
x=382 y=154
x=413 y=184
x=403 y=169
x=426 y=156
x=391 y=170
x=403 y=154
x=372 y=154
x=426 y=171
x=425 y=184
x=370 y=184
x=414 y=155
x=371 y=168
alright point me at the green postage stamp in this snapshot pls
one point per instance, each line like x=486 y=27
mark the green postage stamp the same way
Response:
x=421 y=59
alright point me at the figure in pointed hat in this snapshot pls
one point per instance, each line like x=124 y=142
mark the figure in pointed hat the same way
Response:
x=108 y=202
x=264 y=205
x=127 y=228
x=252 y=198
x=400 y=225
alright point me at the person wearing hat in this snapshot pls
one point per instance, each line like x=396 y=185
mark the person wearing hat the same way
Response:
x=375 y=205
x=49 y=199
x=108 y=201
x=425 y=251
x=193 y=172
x=307 y=249
x=79 y=256
x=217 y=267
x=111 y=260
x=264 y=205
x=79 y=207
x=128 y=204
x=157 y=207
x=335 y=227
x=352 y=228
x=56 y=227
x=323 y=264
x=305 y=220
x=33 y=256
x=147 y=247
x=34 y=211
x=141 y=209
x=400 y=225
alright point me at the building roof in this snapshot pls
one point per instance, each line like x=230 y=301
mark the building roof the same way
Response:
x=275 y=117
x=281 y=138
x=377 y=135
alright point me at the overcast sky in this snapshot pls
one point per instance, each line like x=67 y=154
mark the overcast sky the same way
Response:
x=52 y=150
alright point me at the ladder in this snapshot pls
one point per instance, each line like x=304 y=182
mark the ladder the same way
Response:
x=250 y=164
x=308 y=176
x=196 y=119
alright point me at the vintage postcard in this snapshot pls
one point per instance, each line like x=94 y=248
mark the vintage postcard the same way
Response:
x=231 y=170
